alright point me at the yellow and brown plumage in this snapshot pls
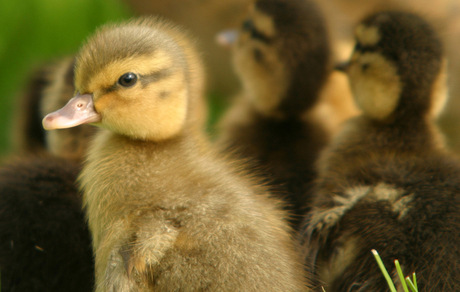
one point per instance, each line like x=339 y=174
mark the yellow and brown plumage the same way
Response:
x=166 y=213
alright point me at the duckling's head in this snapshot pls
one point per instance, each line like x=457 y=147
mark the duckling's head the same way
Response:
x=397 y=67
x=281 y=53
x=136 y=79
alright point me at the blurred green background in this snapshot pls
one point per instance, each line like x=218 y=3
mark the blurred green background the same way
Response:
x=33 y=31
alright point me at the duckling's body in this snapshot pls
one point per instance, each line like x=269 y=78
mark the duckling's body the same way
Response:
x=45 y=243
x=387 y=182
x=190 y=216
x=283 y=153
x=164 y=212
x=282 y=55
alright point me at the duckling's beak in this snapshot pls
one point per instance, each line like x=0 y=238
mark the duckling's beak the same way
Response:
x=343 y=66
x=79 y=110
x=227 y=38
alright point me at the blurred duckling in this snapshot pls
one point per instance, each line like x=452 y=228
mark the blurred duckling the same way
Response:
x=387 y=182
x=49 y=89
x=45 y=241
x=45 y=244
x=280 y=122
x=166 y=214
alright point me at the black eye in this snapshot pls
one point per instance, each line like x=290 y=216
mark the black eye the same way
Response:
x=364 y=66
x=128 y=79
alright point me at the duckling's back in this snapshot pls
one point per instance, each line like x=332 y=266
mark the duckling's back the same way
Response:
x=45 y=242
x=282 y=57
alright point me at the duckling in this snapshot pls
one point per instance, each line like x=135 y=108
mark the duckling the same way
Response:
x=49 y=89
x=28 y=136
x=45 y=243
x=166 y=213
x=282 y=56
x=387 y=182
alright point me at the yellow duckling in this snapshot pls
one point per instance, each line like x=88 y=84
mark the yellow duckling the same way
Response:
x=166 y=214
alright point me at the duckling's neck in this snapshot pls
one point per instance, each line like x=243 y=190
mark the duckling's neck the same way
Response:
x=110 y=144
x=404 y=132
x=298 y=101
x=119 y=171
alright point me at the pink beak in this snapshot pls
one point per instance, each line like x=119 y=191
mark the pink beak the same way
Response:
x=227 y=38
x=79 y=110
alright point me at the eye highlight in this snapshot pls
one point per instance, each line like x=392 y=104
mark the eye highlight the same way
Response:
x=128 y=79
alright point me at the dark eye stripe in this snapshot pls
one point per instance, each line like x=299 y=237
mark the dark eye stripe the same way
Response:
x=144 y=79
x=111 y=88
x=248 y=25
x=364 y=49
x=259 y=36
x=155 y=76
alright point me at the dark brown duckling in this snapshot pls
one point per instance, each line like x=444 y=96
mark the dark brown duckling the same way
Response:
x=45 y=243
x=49 y=89
x=282 y=56
x=387 y=182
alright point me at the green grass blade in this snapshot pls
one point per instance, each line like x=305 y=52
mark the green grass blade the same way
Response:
x=415 y=280
x=411 y=285
x=323 y=289
x=401 y=276
x=384 y=271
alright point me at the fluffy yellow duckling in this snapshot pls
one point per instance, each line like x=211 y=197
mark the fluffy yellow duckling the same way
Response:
x=165 y=213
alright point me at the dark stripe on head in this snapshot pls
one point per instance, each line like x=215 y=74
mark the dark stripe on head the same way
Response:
x=155 y=76
x=305 y=49
x=365 y=49
x=133 y=39
x=248 y=25
x=144 y=79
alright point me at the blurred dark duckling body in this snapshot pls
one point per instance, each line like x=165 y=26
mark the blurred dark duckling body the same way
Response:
x=46 y=244
x=282 y=57
x=387 y=182
x=50 y=88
